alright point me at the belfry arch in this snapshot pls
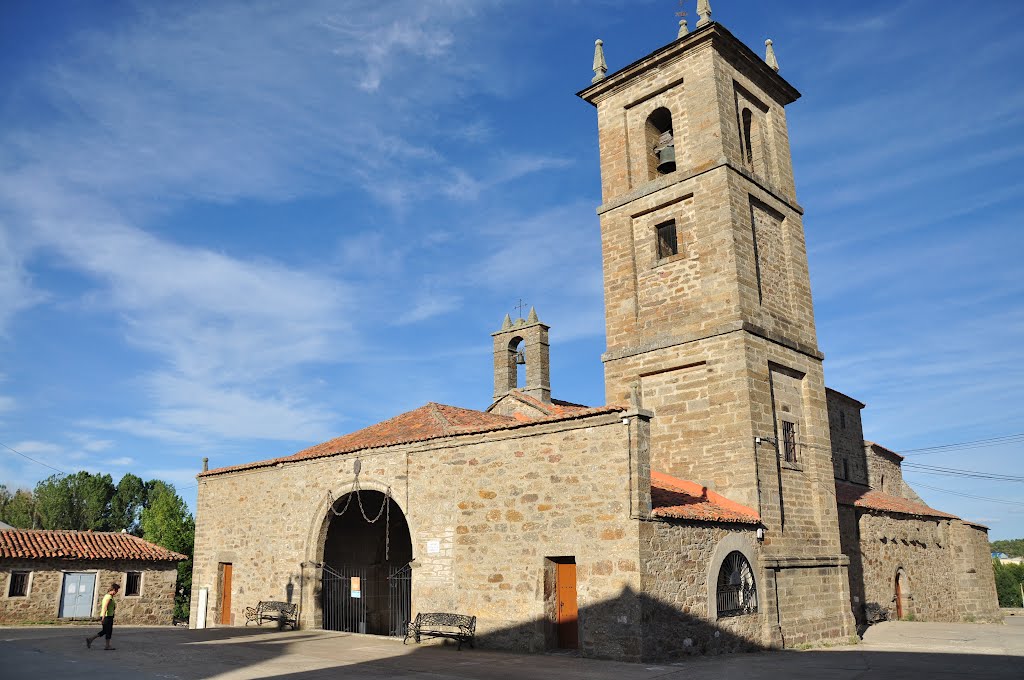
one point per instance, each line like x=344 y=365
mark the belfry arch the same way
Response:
x=363 y=553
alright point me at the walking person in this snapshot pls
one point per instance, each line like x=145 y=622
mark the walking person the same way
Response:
x=107 y=614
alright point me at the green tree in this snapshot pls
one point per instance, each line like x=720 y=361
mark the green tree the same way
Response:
x=167 y=522
x=1009 y=578
x=1012 y=547
x=80 y=501
x=126 y=504
x=17 y=509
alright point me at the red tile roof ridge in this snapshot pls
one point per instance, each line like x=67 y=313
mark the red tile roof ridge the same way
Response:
x=701 y=503
x=862 y=496
x=362 y=439
x=884 y=449
x=81 y=545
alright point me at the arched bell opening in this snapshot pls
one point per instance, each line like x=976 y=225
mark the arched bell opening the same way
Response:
x=517 y=361
x=661 y=143
x=366 y=579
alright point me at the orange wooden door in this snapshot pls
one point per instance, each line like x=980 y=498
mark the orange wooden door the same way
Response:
x=225 y=596
x=568 y=614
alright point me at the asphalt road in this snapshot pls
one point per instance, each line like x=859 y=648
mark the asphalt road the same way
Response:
x=889 y=650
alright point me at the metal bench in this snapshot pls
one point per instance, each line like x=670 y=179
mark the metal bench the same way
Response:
x=281 y=613
x=457 y=627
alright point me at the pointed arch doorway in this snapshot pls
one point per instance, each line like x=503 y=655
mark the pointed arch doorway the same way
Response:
x=366 y=578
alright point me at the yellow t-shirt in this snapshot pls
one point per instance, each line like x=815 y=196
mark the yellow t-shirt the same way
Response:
x=108 y=606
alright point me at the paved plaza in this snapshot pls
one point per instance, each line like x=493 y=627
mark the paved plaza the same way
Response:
x=889 y=650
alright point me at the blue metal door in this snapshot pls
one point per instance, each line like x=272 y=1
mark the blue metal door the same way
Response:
x=76 y=595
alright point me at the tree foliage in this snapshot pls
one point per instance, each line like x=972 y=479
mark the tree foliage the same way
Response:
x=1013 y=547
x=80 y=501
x=18 y=508
x=1009 y=578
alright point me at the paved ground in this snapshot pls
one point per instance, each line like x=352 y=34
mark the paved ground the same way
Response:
x=889 y=650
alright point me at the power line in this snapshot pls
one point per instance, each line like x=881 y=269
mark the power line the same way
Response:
x=976 y=444
x=958 y=472
x=967 y=495
x=31 y=458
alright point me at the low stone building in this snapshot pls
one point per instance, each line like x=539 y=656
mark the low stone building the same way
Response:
x=907 y=560
x=696 y=512
x=52 y=576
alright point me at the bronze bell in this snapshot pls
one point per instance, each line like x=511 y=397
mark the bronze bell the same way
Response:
x=667 y=159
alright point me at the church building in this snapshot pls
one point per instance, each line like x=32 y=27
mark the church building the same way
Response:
x=723 y=499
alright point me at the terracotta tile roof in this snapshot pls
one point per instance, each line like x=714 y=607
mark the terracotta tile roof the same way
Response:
x=882 y=449
x=974 y=524
x=681 y=499
x=81 y=545
x=862 y=496
x=431 y=421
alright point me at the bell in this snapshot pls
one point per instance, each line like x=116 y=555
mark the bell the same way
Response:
x=667 y=159
x=521 y=357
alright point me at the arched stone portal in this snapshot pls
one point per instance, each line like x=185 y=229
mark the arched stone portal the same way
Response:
x=364 y=585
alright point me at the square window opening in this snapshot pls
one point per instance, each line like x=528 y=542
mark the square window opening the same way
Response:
x=133 y=584
x=668 y=244
x=19 y=584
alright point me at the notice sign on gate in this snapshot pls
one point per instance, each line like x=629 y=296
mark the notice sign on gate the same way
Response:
x=356 y=587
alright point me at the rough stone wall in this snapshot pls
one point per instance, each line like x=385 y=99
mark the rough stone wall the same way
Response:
x=884 y=471
x=976 y=586
x=497 y=504
x=924 y=550
x=677 y=584
x=154 y=606
x=846 y=431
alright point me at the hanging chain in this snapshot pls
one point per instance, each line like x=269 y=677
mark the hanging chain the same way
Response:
x=385 y=509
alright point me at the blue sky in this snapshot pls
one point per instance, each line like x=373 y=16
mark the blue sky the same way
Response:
x=236 y=229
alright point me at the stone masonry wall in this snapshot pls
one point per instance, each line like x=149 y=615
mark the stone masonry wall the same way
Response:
x=155 y=605
x=976 y=586
x=497 y=504
x=847 y=434
x=676 y=581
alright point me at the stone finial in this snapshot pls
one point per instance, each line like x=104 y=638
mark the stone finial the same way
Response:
x=532 y=316
x=704 y=12
x=206 y=464
x=683 y=29
x=635 y=400
x=600 y=66
x=769 y=55
x=507 y=323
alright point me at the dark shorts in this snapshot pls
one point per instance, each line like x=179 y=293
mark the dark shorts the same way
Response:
x=108 y=627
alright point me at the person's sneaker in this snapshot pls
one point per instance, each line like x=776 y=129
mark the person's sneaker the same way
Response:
x=88 y=642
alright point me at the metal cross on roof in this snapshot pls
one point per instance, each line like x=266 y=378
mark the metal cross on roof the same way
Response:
x=521 y=306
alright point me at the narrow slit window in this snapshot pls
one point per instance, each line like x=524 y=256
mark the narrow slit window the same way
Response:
x=789 y=441
x=668 y=244
x=19 y=584
x=846 y=469
x=133 y=584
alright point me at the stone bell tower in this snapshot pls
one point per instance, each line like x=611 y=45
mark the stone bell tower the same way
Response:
x=523 y=342
x=708 y=305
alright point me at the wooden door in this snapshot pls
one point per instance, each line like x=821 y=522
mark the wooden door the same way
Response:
x=568 y=625
x=225 y=594
x=899 y=596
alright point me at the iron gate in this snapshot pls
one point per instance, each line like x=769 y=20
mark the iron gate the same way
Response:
x=344 y=606
x=400 y=600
